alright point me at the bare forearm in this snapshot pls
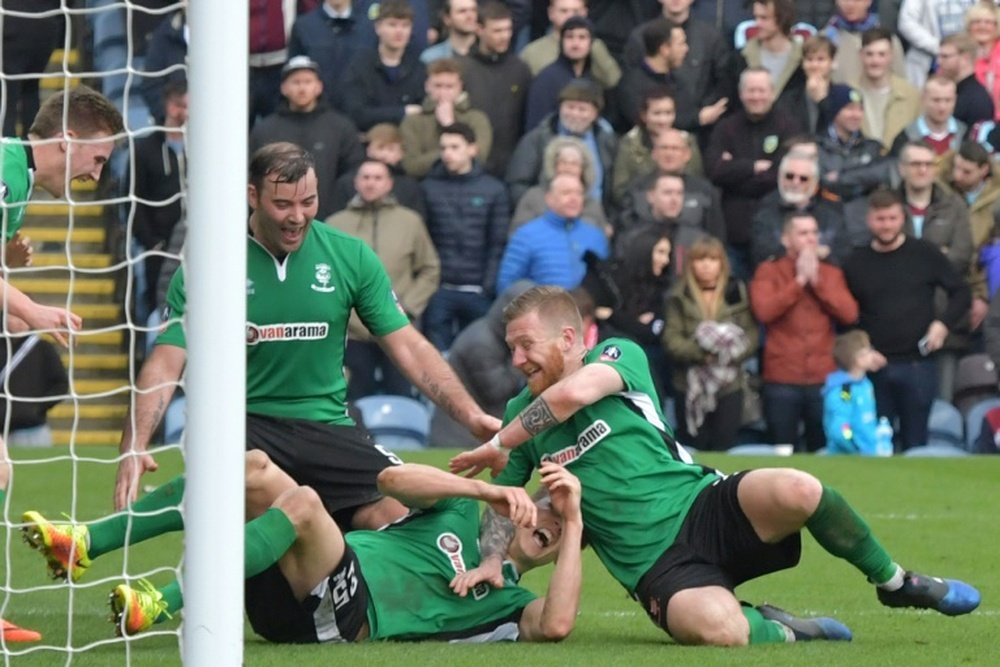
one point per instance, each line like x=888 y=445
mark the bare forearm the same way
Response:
x=154 y=388
x=495 y=535
x=562 y=600
x=417 y=485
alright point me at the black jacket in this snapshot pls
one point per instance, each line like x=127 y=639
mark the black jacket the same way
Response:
x=158 y=177
x=769 y=221
x=371 y=97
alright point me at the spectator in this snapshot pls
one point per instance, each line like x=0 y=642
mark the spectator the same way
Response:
x=799 y=299
x=972 y=178
x=701 y=209
x=723 y=15
x=580 y=104
x=550 y=249
x=849 y=411
x=851 y=164
x=923 y=24
x=383 y=143
x=28 y=43
x=894 y=282
x=481 y=360
x=709 y=333
x=846 y=30
x=304 y=119
x=32 y=382
x=331 y=35
x=706 y=72
x=809 y=101
x=158 y=179
x=572 y=63
x=798 y=192
x=165 y=56
x=446 y=103
x=936 y=125
x=773 y=48
x=497 y=82
x=742 y=160
x=981 y=24
x=460 y=20
x=890 y=103
x=468 y=215
x=399 y=238
x=957 y=61
x=542 y=52
x=269 y=34
x=614 y=20
x=938 y=216
x=386 y=84
x=563 y=155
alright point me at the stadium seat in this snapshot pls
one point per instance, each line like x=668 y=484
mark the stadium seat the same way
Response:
x=945 y=424
x=754 y=449
x=935 y=450
x=396 y=422
x=974 y=420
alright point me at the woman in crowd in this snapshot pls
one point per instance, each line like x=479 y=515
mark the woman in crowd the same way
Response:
x=981 y=22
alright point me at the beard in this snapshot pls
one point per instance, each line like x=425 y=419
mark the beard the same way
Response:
x=549 y=372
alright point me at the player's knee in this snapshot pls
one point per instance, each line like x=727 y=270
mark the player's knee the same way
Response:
x=799 y=493
x=257 y=463
x=302 y=506
x=707 y=617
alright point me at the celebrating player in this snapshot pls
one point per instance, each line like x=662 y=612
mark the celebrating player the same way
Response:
x=308 y=582
x=679 y=537
x=303 y=280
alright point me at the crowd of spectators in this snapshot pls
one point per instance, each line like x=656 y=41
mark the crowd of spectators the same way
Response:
x=733 y=184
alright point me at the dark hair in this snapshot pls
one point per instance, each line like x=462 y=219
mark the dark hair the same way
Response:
x=655 y=35
x=395 y=9
x=87 y=113
x=818 y=42
x=493 y=11
x=464 y=130
x=784 y=13
x=174 y=88
x=657 y=92
x=884 y=198
x=875 y=34
x=974 y=152
x=281 y=162
x=792 y=216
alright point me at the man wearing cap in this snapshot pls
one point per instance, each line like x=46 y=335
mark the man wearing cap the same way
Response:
x=573 y=62
x=580 y=104
x=851 y=164
x=542 y=52
x=304 y=119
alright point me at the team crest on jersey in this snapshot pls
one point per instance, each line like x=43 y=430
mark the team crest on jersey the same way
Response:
x=770 y=143
x=322 y=276
x=589 y=437
x=611 y=353
x=286 y=331
x=451 y=546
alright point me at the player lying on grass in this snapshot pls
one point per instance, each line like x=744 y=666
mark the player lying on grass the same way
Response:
x=678 y=536
x=307 y=582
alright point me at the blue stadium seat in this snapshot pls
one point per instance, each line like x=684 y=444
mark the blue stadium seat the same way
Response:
x=395 y=422
x=936 y=450
x=974 y=420
x=945 y=424
x=754 y=449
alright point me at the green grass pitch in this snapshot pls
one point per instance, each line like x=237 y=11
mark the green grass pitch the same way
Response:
x=935 y=516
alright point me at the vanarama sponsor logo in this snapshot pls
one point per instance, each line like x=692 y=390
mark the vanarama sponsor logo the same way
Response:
x=590 y=436
x=285 y=331
x=451 y=546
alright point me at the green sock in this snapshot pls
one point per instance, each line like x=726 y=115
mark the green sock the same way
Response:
x=841 y=531
x=3 y=495
x=109 y=534
x=268 y=537
x=174 y=599
x=762 y=630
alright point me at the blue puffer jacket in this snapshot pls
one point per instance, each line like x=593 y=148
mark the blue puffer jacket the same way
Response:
x=549 y=250
x=467 y=217
x=849 y=416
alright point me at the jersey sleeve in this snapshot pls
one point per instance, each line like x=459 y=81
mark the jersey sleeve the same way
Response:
x=376 y=303
x=172 y=329
x=628 y=360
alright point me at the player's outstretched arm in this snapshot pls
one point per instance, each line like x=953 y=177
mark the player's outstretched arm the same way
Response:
x=417 y=485
x=154 y=389
x=552 y=618
x=424 y=366
x=58 y=322
x=553 y=406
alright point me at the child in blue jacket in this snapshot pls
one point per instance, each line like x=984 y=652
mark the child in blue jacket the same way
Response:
x=849 y=415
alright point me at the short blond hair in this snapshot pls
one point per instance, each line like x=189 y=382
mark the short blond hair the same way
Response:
x=553 y=304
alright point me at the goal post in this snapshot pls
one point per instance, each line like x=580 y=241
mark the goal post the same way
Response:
x=215 y=255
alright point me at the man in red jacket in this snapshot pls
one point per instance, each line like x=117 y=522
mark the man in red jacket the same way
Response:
x=799 y=298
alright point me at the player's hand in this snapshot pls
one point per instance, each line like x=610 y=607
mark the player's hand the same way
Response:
x=564 y=490
x=483 y=425
x=514 y=503
x=479 y=459
x=489 y=571
x=53 y=321
x=130 y=470
x=18 y=252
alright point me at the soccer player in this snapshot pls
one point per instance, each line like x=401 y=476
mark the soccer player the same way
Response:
x=50 y=157
x=308 y=582
x=303 y=280
x=678 y=536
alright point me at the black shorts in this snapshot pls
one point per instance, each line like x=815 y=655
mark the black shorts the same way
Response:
x=341 y=463
x=716 y=546
x=335 y=611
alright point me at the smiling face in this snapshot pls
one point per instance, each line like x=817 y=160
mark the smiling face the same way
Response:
x=659 y=115
x=539 y=545
x=756 y=92
x=282 y=212
x=537 y=350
